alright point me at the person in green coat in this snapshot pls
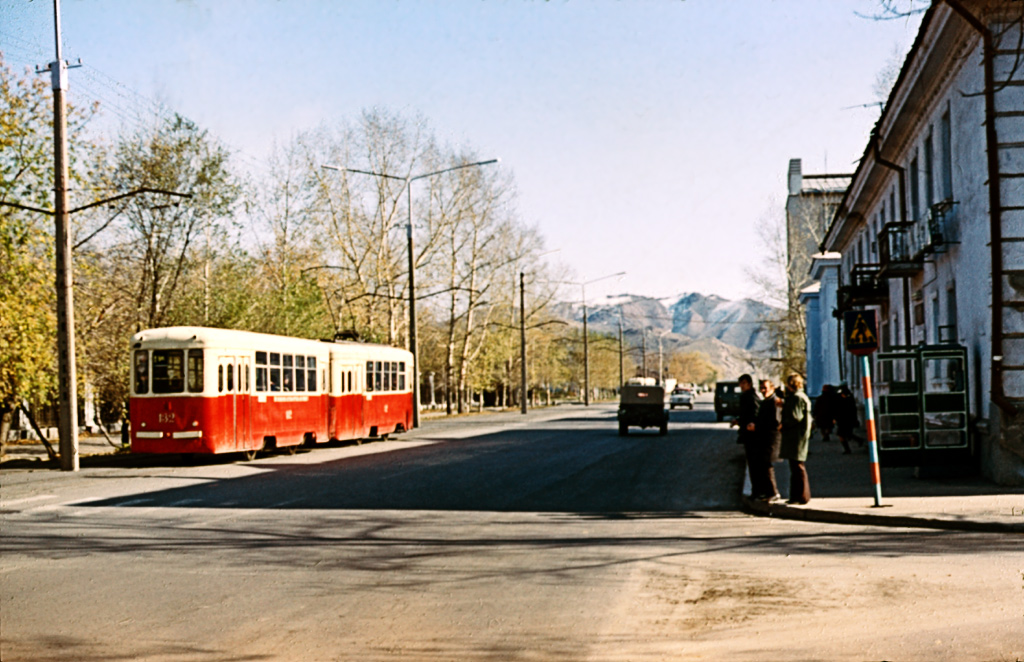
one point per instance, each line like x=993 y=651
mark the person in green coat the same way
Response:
x=796 y=434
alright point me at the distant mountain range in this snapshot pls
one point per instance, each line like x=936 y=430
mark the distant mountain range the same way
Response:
x=730 y=333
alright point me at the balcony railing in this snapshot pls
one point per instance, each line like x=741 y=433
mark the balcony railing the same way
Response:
x=863 y=287
x=899 y=250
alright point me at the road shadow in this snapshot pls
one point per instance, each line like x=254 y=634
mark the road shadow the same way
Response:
x=565 y=468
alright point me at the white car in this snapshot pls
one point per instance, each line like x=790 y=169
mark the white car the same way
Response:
x=680 y=397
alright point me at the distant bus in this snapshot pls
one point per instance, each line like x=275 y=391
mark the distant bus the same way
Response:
x=205 y=391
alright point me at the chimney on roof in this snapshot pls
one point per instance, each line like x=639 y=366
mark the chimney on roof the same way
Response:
x=796 y=178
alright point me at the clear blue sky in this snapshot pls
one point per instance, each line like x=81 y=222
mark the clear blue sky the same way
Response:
x=645 y=136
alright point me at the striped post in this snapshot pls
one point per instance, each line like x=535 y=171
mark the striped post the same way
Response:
x=869 y=424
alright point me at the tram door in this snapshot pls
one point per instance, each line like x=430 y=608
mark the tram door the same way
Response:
x=234 y=383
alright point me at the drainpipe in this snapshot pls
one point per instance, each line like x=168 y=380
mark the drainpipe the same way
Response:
x=902 y=173
x=994 y=204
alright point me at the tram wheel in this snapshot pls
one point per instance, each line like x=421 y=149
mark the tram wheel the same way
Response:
x=250 y=455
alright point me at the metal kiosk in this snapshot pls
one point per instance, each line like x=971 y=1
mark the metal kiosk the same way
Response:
x=923 y=406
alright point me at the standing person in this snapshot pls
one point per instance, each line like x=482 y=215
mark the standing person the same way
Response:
x=824 y=413
x=769 y=437
x=846 y=418
x=746 y=420
x=796 y=434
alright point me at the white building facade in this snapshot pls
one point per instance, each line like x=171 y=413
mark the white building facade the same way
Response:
x=930 y=233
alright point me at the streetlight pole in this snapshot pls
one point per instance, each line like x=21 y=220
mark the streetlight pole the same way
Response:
x=522 y=342
x=412 y=265
x=643 y=351
x=661 y=366
x=586 y=339
x=622 y=381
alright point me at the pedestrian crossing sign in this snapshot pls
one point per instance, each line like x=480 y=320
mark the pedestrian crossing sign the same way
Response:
x=861 y=331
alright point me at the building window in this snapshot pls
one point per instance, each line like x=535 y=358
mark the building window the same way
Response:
x=946 y=137
x=929 y=171
x=915 y=193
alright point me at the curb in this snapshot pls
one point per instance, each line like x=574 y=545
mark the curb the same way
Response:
x=783 y=511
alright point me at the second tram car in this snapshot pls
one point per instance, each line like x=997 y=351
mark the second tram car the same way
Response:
x=202 y=390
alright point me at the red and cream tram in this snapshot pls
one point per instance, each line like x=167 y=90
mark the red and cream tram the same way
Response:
x=200 y=390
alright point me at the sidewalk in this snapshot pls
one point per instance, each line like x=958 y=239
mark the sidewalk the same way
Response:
x=842 y=493
x=29 y=451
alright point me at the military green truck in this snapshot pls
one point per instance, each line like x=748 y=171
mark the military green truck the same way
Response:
x=642 y=407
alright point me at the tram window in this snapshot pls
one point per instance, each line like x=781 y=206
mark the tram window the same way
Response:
x=275 y=379
x=195 y=371
x=369 y=375
x=275 y=358
x=168 y=371
x=142 y=371
x=220 y=379
x=261 y=372
x=300 y=373
x=311 y=373
x=401 y=375
x=231 y=377
x=378 y=376
x=350 y=381
x=387 y=376
x=246 y=379
x=287 y=373
x=394 y=376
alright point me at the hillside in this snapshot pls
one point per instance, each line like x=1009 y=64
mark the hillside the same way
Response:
x=731 y=334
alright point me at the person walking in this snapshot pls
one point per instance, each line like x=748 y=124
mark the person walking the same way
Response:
x=846 y=418
x=746 y=422
x=796 y=435
x=769 y=438
x=824 y=414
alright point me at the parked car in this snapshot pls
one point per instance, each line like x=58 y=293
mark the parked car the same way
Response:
x=727 y=399
x=681 y=396
x=643 y=407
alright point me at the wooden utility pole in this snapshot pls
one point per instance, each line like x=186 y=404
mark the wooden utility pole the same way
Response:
x=67 y=376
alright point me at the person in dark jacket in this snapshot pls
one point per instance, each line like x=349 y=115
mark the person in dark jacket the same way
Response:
x=746 y=422
x=823 y=410
x=796 y=435
x=846 y=418
x=769 y=437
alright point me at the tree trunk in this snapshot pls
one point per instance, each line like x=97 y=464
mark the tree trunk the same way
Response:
x=5 y=427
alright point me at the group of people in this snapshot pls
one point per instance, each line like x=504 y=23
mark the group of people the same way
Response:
x=775 y=424
x=836 y=407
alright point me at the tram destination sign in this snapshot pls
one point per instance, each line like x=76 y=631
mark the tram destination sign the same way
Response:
x=860 y=330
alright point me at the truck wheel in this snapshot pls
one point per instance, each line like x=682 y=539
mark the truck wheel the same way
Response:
x=671 y=406
x=691 y=406
x=623 y=429
x=663 y=430
x=720 y=416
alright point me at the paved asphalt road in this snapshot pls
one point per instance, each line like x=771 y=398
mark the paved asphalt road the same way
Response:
x=502 y=537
